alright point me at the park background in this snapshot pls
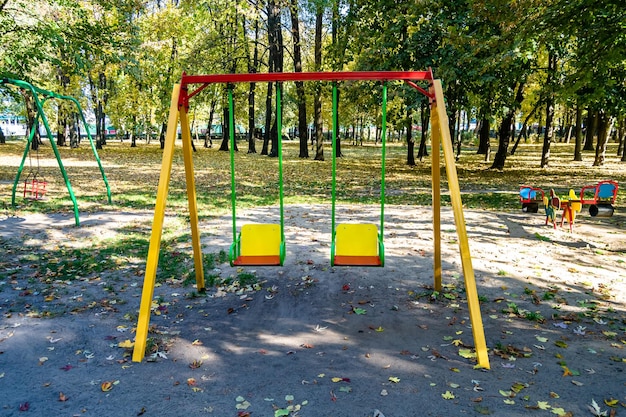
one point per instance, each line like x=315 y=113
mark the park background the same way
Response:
x=549 y=74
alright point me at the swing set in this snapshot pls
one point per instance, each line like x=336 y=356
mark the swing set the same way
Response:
x=352 y=244
x=35 y=185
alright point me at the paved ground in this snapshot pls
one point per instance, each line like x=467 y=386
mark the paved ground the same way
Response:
x=311 y=340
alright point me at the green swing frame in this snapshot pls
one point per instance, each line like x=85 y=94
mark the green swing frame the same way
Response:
x=46 y=95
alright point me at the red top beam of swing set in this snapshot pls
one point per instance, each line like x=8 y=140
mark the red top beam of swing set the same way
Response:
x=407 y=76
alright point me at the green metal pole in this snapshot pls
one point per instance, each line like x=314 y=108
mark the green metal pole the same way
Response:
x=21 y=167
x=35 y=91
x=231 y=133
x=334 y=167
x=58 y=157
x=48 y=94
x=279 y=124
x=384 y=152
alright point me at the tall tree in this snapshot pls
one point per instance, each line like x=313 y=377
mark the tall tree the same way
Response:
x=317 y=99
x=303 y=131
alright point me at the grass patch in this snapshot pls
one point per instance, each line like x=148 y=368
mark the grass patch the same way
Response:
x=134 y=172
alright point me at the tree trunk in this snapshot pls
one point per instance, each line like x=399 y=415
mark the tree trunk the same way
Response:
x=303 y=131
x=317 y=103
x=504 y=135
x=592 y=125
x=483 y=136
x=226 y=131
x=275 y=39
x=268 y=119
x=253 y=63
x=603 y=138
x=578 y=134
x=424 y=119
x=410 y=143
x=208 y=142
x=621 y=136
x=74 y=130
x=31 y=117
x=548 y=134
x=162 y=135
x=104 y=97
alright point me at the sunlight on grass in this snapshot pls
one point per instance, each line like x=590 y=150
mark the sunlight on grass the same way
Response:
x=133 y=174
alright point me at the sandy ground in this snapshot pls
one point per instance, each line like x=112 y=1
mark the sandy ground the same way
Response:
x=312 y=340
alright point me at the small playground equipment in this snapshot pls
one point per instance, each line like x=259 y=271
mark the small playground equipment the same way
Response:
x=35 y=185
x=569 y=208
x=552 y=203
x=600 y=198
x=267 y=241
x=530 y=198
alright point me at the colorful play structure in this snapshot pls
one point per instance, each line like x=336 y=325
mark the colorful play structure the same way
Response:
x=353 y=244
x=35 y=184
x=600 y=197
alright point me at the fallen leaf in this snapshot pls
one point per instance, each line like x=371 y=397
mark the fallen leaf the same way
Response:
x=561 y=344
x=63 y=397
x=394 y=379
x=509 y=402
x=543 y=405
x=106 y=386
x=24 y=406
x=191 y=381
x=611 y=403
x=467 y=353
x=66 y=367
x=195 y=364
x=448 y=395
x=197 y=342
x=127 y=344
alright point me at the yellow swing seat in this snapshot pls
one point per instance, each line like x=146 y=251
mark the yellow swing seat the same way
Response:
x=357 y=245
x=258 y=245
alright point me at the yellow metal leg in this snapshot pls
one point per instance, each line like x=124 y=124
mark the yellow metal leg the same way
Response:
x=157 y=228
x=435 y=170
x=439 y=112
x=191 y=198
